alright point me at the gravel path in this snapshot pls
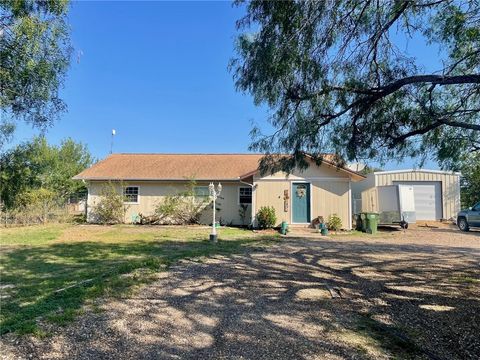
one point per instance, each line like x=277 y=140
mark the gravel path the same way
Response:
x=302 y=298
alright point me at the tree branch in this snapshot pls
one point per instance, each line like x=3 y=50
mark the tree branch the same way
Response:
x=385 y=90
x=399 y=139
x=431 y=79
x=460 y=124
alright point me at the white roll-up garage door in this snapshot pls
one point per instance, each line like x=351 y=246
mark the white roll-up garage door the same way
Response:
x=428 y=199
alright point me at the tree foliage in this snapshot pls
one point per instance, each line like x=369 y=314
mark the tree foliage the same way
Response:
x=34 y=57
x=182 y=208
x=470 y=181
x=334 y=222
x=339 y=77
x=266 y=217
x=369 y=170
x=111 y=207
x=38 y=204
x=36 y=164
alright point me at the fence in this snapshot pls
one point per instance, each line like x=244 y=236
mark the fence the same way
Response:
x=38 y=214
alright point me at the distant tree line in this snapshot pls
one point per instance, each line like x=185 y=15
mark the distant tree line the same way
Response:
x=36 y=177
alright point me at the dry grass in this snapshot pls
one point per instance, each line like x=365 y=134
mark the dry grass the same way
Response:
x=49 y=272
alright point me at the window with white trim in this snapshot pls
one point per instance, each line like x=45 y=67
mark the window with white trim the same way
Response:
x=245 y=195
x=201 y=191
x=130 y=194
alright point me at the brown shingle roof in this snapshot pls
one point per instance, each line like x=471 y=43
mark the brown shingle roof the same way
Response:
x=172 y=167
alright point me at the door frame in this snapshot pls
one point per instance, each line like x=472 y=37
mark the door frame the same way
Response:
x=309 y=205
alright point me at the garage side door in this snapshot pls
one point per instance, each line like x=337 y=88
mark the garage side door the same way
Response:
x=428 y=198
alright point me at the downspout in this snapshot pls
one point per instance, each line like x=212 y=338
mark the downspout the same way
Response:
x=252 y=215
x=86 y=200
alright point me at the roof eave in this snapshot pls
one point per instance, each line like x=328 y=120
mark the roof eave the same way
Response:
x=149 y=179
x=353 y=174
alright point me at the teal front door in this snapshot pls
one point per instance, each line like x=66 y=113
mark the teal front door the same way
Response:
x=300 y=203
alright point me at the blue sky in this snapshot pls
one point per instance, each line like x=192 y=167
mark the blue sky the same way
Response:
x=157 y=73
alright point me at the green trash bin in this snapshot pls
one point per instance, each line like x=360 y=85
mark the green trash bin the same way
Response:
x=363 y=221
x=372 y=222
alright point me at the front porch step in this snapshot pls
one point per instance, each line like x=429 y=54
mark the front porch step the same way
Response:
x=303 y=232
x=300 y=226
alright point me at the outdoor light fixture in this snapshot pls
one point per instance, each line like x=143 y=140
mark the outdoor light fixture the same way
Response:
x=214 y=194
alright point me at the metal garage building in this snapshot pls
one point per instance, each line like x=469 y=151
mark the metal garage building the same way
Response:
x=437 y=193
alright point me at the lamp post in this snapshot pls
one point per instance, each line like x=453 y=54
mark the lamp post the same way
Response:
x=214 y=193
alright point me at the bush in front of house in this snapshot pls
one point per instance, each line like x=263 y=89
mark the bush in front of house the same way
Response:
x=183 y=208
x=110 y=209
x=266 y=217
x=180 y=210
x=334 y=222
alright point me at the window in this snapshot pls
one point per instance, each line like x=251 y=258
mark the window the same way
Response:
x=201 y=191
x=245 y=195
x=476 y=207
x=130 y=194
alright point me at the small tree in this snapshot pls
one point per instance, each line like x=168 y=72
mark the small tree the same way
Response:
x=266 y=217
x=38 y=204
x=242 y=212
x=182 y=208
x=334 y=222
x=110 y=209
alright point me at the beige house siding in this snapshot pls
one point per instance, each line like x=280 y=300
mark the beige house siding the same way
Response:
x=330 y=193
x=271 y=193
x=153 y=192
x=330 y=197
x=327 y=198
x=450 y=186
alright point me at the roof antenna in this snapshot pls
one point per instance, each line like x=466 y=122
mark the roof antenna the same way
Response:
x=111 y=143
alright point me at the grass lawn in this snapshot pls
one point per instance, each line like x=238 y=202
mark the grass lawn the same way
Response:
x=48 y=273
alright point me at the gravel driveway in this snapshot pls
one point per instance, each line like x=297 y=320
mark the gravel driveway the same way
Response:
x=341 y=298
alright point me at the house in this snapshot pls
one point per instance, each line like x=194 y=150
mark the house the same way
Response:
x=297 y=198
x=436 y=193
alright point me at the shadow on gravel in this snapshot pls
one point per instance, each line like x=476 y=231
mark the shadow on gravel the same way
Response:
x=301 y=299
x=473 y=231
x=51 y=282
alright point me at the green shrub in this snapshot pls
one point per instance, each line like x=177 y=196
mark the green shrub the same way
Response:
x=183 y=208
x=334 y=222
x=266 y=217
x=110 y=209
x=36 y=206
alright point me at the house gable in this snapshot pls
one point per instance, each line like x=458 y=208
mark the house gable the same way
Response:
x=325 y=171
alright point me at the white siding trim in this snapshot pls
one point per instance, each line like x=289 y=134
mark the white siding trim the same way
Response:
x=350 y=215
x=87 y=205
x=417 y=171
x=306 y=179
x=254 y=205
